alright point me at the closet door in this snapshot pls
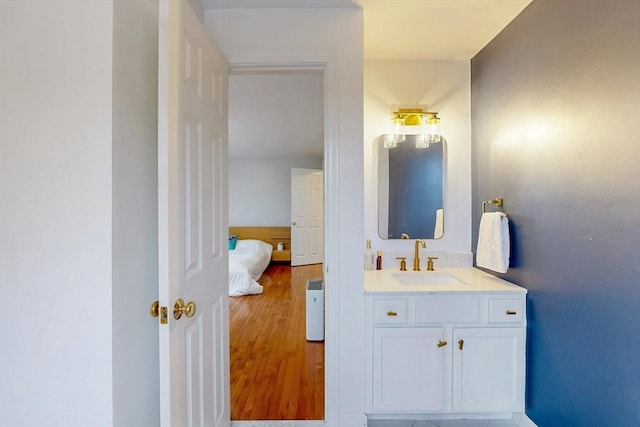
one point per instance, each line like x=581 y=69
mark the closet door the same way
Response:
x=307 y=207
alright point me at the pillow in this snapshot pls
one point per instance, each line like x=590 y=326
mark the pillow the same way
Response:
x=233 y=240
x=252 y=245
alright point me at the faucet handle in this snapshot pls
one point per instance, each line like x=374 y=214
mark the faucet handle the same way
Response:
x=403 y=262
x=430 y=262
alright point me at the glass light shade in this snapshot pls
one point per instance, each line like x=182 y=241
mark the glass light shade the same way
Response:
x=396 y=136
x=433 y=129
x=422 y=141
x=388 y=141
x=392 y=140
x=396 y=126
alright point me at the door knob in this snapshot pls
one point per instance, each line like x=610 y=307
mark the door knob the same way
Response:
x=180 y=308
x=155 y=309
x=294 y=223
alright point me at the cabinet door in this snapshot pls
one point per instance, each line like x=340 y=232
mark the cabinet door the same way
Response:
x=408 y=369
x=488 y=369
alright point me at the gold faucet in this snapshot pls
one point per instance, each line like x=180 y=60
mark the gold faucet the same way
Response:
x=416 y=256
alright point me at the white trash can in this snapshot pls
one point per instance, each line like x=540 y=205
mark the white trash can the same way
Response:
x=315 y=310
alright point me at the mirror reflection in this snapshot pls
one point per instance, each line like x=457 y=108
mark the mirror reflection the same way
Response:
x=410 y=190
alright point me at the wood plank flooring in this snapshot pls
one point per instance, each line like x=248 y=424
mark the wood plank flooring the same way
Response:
x=276 y=374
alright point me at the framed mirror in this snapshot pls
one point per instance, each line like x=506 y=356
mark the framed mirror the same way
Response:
x=410 y=190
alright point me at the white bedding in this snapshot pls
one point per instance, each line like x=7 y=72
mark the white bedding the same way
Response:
x=247 y=262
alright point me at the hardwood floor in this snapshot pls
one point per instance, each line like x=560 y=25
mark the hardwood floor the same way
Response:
x=276 y=374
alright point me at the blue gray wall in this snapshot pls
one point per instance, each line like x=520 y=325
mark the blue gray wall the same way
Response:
x=556 y=132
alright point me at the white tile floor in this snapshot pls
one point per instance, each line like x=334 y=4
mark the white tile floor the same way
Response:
x=443 y=423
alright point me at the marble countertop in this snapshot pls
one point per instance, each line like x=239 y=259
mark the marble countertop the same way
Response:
x=455 y=280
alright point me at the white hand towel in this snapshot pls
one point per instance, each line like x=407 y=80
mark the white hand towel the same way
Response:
x=493 y=242
x=438 y=230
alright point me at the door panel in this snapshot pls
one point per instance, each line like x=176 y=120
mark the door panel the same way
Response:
x=408 y=370
x=192 y=199
x=488 y=369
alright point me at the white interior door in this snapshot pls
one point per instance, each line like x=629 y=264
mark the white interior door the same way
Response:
x=192 y=236
x=307 y=206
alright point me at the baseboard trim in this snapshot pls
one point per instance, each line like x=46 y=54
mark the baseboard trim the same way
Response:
x=352 y=421
x=523 y=420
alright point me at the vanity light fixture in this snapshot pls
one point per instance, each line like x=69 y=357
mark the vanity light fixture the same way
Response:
x=413 y=121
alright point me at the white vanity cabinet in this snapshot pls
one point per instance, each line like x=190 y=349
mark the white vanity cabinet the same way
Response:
x=488 y=369
x=445 y=353
x=401 y=384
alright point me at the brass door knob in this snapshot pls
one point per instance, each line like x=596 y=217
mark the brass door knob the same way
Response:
x=155 y=309
x=181 y=308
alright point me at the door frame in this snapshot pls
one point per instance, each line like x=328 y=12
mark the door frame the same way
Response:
x=326 y=65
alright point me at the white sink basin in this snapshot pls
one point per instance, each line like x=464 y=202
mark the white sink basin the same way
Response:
x=426 y=279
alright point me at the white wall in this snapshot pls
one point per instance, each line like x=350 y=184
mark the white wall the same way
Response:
x=78 y=256
x=135 y=211
x=442 y=86
x=335 y=36
x=260 y=189
x=273 y=114
x=55 y=213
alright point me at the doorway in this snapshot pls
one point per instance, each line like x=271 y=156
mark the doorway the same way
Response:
x=276 y=124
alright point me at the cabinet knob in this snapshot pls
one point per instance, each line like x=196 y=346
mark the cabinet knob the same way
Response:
x=510 y=312
x=391 y=313
x=460 y=344
x=441 y=343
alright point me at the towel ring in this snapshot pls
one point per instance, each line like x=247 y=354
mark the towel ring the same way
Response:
x=498 y=202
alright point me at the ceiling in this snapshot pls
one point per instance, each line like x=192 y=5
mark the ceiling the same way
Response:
x=393 y=30
x=411 y=29
x=433 y=29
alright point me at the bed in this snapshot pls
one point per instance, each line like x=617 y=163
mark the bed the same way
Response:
x=247 y=262
x=252 y=253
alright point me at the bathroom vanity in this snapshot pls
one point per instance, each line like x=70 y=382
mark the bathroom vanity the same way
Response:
x=447 y=343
